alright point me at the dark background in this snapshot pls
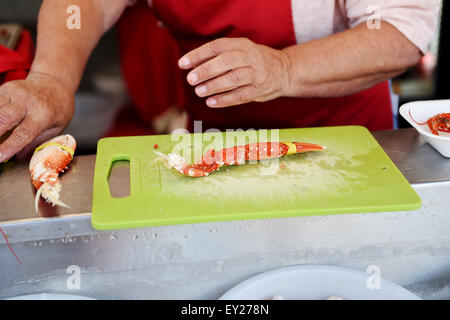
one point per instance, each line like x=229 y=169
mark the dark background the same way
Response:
x=443 y=70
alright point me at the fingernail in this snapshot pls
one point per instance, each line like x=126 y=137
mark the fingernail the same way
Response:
x=184 y=62
x=200 y=90
x=211 y=102
x=192 y=78
x=2 y=157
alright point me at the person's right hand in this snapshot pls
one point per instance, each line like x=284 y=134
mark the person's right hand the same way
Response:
x=35 y=109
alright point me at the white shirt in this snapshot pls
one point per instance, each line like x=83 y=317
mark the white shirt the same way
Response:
x=417 y=20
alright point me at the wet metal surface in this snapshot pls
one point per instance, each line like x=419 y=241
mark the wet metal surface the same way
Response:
x=416 y=159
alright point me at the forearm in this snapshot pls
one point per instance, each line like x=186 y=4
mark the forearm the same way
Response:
x=62 y=52
x=348 y=62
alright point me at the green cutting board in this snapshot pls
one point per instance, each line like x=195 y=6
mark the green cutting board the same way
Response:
x=354 y=175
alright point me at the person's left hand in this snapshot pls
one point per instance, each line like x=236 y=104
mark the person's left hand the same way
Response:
x=233 y=71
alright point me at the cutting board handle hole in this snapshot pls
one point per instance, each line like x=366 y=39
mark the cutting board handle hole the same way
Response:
x=119 y=179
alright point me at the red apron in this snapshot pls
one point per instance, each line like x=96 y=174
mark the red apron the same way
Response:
x=195 y=22
x=15 y=64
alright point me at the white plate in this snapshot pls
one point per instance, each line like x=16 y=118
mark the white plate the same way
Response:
x=421 y=111
x=310 y=282
x=50 y=296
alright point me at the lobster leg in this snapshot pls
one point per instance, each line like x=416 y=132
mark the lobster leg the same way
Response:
x=213 y=160
x=257 y=151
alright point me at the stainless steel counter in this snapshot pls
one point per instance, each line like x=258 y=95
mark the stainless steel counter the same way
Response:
x=416 y=159
x=200 y=260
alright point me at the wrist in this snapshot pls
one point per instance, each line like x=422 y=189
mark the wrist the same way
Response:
x=287 y=74
x=53 y=76
x=299 y=72
x=50 y=78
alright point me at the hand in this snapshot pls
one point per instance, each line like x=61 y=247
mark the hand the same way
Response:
x=233 y=71
x=35 y=109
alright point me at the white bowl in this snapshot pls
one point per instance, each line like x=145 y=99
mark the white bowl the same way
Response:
x=317 y=282
x=421 y=111
x=50 y=296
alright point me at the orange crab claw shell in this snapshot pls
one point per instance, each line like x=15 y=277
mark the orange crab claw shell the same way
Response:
x=307 y=147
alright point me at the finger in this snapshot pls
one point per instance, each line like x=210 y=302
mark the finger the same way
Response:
x=21 y=136
x=234 y=97
x=231 y=80
x=210 y=50
x=10 y=115
x=217 y=66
